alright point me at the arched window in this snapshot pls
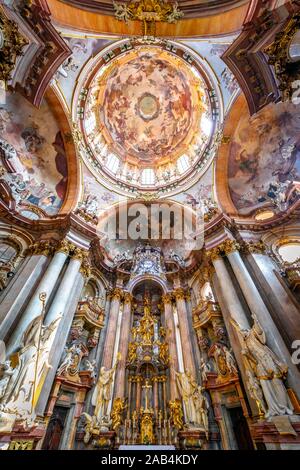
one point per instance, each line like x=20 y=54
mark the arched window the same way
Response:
x=290 y=252
x=7 y=253
x=206 y=291
x=90 y=291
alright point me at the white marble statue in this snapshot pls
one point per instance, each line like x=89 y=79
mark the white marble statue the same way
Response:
x=103 y=392
x=267 y=368
x=19 y=395
x=230 y=361
x=204 y=369
x=201 y=406
x=186 y=387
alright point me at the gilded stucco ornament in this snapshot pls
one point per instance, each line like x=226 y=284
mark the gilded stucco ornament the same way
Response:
x=148 y=12
x=11 y=46
x=286 y=70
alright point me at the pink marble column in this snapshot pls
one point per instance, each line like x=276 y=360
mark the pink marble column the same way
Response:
x=139 y=380
x=120 y=385
x=155 y=395
x=171 y=340
x=108 y=352
x=187 y=349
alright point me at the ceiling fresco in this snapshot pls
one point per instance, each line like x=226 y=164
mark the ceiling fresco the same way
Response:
x=148 y=108
x=32 y=151
x=264 y=161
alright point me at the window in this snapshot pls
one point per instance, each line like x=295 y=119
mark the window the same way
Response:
x=148 y=177
x=290 y=252
x=112 y=163
x=7 y=253
x=90 y=124
x=183 y=163
x=206 y=125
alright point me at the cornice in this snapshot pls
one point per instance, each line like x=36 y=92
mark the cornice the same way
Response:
x=190 y=8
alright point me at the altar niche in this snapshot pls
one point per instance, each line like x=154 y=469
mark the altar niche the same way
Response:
x=147 y=420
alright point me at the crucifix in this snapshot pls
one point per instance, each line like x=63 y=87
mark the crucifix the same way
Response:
x=147 y=387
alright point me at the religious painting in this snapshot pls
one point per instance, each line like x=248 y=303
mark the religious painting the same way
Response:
x=147 y=106
x=264 y=156
x=33 y=150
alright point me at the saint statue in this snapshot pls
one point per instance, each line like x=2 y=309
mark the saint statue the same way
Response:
x=176 y=413
x=201 y=406
x=116 y=414
x=204 y=368
x=256 y=392
x=186 y=387
x=103 y=391
x=266 y=367
x=19 y=394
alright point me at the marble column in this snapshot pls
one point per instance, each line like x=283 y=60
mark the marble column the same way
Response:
x=229 y=293
x=278 y=294
x=120 y=385
x=46 y=284
x=108 y=351
x=60 y=340
x=171 y=340
x=60 y=300
x=258 y=307
x=231 y=307
x=22 y=286
x=187 y=349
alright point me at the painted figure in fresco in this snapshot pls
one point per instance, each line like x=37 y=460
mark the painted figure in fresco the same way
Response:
x=266 y=367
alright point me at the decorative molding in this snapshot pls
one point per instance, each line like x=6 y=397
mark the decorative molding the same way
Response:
x=12 y=44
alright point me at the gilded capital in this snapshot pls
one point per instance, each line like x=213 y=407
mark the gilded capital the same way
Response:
x=80 y=254
x=127 y=298
x=117 y=294
x=167 y=299
x=179 y=294
x=229 y=246
x=65 y=246
x=43 y=247
x=254 y=247
x=213 y=254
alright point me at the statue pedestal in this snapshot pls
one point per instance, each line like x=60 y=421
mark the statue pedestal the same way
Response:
x=192 y=439
x=105 y=440
x=22 y=438
x=278 y=433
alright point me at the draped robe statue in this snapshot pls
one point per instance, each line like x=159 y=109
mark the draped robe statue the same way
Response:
x=186 y=389
x=267 y=368
x=103 y=392
x=19 y=394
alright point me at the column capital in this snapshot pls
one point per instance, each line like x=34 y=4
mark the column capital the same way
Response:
x=127 y=298
x=179 y=294
x=230 y=246
x=80 y=254
x=65 y=246
x=42 y=247
x=214 y=254
x=166 y=299
x=117 y=294
x=254 y=247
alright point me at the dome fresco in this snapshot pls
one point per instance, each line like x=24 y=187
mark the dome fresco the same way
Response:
x=147 y=107
x=148 y=115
